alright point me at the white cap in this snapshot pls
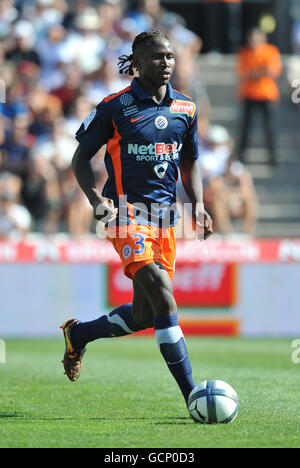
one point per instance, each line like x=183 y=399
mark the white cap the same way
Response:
x=110 y=2
x=89 y=19
x=45 y=2
x=218 y=135
x=24 y=29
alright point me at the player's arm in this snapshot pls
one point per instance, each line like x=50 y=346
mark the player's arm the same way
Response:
x=83 y=171
x=92 y=135
x=192 y=182
x=192 y=179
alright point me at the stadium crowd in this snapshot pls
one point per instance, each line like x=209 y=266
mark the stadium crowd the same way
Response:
x=58 y=60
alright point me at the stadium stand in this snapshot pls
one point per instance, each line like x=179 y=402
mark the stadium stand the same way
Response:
x=51 y=85
x=277 y=188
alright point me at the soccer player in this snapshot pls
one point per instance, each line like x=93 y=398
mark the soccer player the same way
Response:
x=151 y=131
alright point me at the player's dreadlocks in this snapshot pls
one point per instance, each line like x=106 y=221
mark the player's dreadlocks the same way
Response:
x=123 y=59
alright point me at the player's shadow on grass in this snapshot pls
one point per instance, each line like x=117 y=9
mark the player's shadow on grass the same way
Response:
x=156 y=421
x=11 y=415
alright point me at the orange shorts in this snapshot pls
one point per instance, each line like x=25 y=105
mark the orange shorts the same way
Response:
x=138 y=246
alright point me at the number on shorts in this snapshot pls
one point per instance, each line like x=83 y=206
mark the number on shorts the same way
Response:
x=140 y=242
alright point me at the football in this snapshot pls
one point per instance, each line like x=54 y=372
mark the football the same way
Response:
x=213 y=401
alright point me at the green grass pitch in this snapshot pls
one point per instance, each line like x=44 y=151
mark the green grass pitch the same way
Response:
x=126 y=396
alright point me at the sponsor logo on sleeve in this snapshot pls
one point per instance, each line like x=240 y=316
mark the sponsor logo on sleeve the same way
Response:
x=183 y=107
x=90 y=119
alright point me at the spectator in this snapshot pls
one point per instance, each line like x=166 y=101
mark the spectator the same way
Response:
x=77 y=212
x=215 y=149
x=187 y=47
x=56 y=62
x=2 y=54
x=87 y=38
x=149 y=14
x=185 y=72
x=41 y=191
x=23 y=50
x=105 y=81
x=259 y=67
x=43 y=14
x=75 y=9
x=50 y=51
x=14 y=104
x=16 y=145
x=295 y=36
x=228 y=187
x=45 y=109
x=224 y=24
x=63 y=146
x=110 y=13
x=2 y=141
x=15 y=219
x=80 y=110
x=233 y=197
x=69 y=91
x=8 y=12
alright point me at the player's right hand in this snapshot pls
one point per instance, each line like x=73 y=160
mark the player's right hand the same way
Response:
x=104 y=210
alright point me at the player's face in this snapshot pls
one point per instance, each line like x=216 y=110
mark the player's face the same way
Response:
x=156 y=62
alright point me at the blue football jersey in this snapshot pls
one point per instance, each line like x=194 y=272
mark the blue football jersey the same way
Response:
x=145 y=143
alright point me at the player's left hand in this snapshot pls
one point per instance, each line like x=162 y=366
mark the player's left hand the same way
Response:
x=203 y=221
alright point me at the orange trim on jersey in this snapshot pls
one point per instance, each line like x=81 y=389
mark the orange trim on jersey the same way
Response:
x=131 y=213
x=189 y=97
x=112 y=96
x=114 y=150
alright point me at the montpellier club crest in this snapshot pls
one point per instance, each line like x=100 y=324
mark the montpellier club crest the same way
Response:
x=126 y=251
x=161 y=122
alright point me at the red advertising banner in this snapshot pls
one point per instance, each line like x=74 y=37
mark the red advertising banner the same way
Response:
x=119 y=287
x=94 y=250
x=205 y=285
x=198 y=285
